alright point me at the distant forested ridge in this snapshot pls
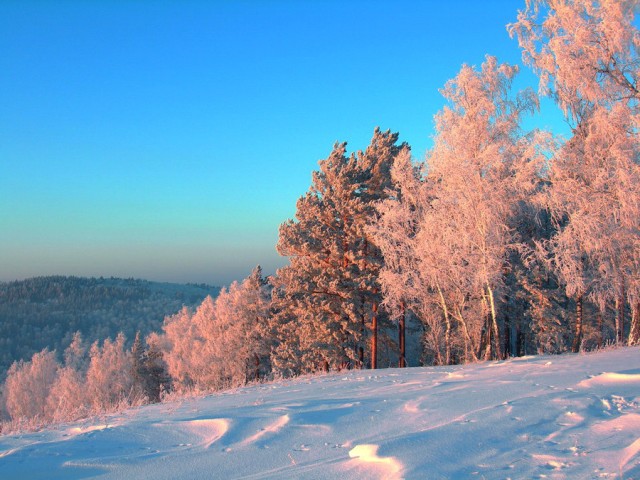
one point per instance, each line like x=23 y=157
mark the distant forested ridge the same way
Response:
x=46 y=311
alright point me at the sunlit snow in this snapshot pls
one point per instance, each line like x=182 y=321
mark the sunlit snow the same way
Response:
x=573 y=416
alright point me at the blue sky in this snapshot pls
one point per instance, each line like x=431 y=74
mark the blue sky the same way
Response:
x=168 y=140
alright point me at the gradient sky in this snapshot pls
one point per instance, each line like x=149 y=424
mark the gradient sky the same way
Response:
x=168 y=140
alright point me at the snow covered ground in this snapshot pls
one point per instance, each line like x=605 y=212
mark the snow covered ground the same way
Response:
x=574 y=416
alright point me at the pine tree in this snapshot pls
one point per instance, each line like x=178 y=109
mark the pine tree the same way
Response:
x=149 y=371
x=326 y=302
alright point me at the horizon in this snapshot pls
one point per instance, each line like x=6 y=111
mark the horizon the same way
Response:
x=169 y=144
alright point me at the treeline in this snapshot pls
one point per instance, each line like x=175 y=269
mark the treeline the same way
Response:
x=501 y=242
x=223 y=343
x=89 y=380
x=46 y=311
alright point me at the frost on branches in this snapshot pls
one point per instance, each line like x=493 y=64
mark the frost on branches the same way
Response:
x=327 y=301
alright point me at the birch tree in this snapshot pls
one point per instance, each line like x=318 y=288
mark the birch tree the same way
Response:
x=447 y=236
x=67 y=398
x=28 y=384
x=481 y=166
x=238 y=334
x=224 y=343
x=586 y=55
x=109 y=383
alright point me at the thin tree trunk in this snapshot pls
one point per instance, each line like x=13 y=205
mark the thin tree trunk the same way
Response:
x=374 y=333
x=600 y=325
x=362 y=334
x=577 y=339
x=519 y=342
x=468 y=344
x=484 y=350
x=447 y=332
x=363 y=326
x=325 y=365
x=495 y=333
x=488 y=339
x=507 y=333
x=620 y=304
x=256 y=362
x=634 y=333
x=402 y=362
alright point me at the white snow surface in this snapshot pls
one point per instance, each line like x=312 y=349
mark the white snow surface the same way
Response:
x=572 y=416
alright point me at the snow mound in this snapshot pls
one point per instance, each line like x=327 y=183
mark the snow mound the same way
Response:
x=368 y=454
x=204 y=432
x=611 y=378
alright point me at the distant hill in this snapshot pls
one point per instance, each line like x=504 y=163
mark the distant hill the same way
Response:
x=45 y=311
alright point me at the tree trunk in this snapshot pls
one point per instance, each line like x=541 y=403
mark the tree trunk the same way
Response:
x=374 y=333
x=600 y=325
x=447 y=331
x=634 y=333
x=362 y=334
x=256 y=363
x=495 y=332
x=577 y=339
x=519 y=342
x=402 y=362
x=491 y=334
x=363 y=326
x=620 y=304
x=469 y=353
x=507 y=334
x=484 y=349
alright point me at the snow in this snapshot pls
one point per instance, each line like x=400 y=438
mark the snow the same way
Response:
x=573 y=416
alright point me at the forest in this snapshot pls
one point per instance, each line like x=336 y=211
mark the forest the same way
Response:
x=46 y=311
x=501 y=242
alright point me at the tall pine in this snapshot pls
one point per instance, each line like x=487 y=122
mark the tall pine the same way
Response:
x=326 y=301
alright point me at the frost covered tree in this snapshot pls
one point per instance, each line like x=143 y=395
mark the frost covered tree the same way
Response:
x=376 y=163
x=109 y=382
x=28 y=384
x=326 y=301
x=481 y=166
x=594 y=200
x=447 y=237
x=224 y=343
x=584 y=51
x=67 y=398
x=187 y=347
x=242 y=314
x=394 y=234
x=315 y=296
x=586 y=54
x=148 y=371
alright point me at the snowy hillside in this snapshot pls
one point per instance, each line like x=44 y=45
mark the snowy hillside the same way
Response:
x=574 y=416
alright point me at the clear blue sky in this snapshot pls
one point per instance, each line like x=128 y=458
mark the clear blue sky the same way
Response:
x=168 y=140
